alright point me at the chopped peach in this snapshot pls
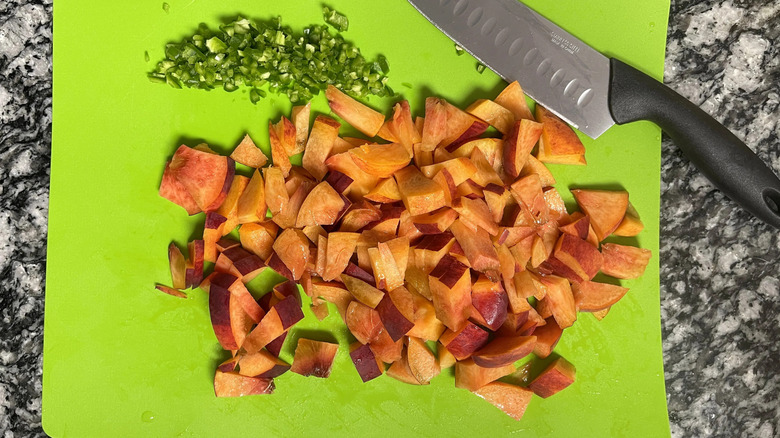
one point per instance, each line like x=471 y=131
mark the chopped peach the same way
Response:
x=276 y=322
x=386 y=272
x=400 y=128
x=232 y=384
x=300 y=118
x=292 y=247
x=212 y=232
x=323 y=135
x=176 y=192
x=362 y=291
x=519 y=143
x=624 y=262
x=485 y=174
x=381 y=160
x=511 y=399
x=401 y=371
x=534 y=166
x=322 y=206
x=229 y=207
x=478 y=248
x=368 y=366
x=341 y=246
x=262 y=364
x=248 y=154
x=471 y=376
x=288 y=216
x=559 y=143
x=251 y=205
x=422 y=362
x=279 y=156
x=446 y=359
x=561 y=300
x=513 y=99
x=362 y=182
x=606 y=209
x=420 y=195
x=276 y=196
x=435 y=127
x=504 y=351
x=477 y=128
x=490 y=300
x=477 y=212
x=631 y=225
x=333 y=292
x=386 y=191
x=491 y=148
x=590 y=296
x=494 y=114
x=386 y=349
x=547 y=337
x=396 y=324
x=460 y=169
x=314 y=358
x=258 y=238
x=435 y=222
x=177 y=266
x=363 y=118
x=555 y=378
x=583 y=259
x=206 y=177
x=464 y=342
x=579 y=227
x=450 y=287
x=359 y=215
x=170 y=291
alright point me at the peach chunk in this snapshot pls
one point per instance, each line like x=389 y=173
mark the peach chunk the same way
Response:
x=471 y=376
x=606 y=209
x=511 y=399
x=504 y=351
x=314 y=358
x=464 y=342
x=422 y=362
x=555 y=378
x=368 y=366
x=365 y=119
x=590 y=296
x=624 y=262
x=232 y=384
x=248 y=154
x=420 y=195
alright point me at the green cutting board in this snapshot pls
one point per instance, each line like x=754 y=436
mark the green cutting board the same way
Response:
x=123 y=359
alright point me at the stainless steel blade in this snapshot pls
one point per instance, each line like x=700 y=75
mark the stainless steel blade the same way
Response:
x=556 y=69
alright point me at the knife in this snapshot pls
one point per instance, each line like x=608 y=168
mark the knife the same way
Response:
x=593 y=92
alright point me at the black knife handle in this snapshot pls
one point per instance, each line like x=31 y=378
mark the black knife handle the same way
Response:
x=719 y=154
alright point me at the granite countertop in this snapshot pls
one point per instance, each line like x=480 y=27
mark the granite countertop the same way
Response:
x=720 y=269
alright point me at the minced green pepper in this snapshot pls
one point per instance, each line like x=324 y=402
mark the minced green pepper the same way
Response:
x=255 y=54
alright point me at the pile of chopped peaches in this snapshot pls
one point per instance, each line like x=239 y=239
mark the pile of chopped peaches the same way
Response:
x=445 y=231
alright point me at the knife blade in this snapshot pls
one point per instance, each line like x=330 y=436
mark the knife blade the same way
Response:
x=593 y=92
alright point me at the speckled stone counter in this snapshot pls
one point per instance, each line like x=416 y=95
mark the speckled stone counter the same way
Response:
x=720 y=269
